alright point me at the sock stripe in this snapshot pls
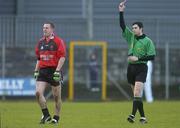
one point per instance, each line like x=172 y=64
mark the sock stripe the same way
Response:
x=138 y=98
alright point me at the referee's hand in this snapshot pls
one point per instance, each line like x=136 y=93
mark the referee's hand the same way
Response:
x=57 y=76
x=36 y=74
x=132 y=58
x=121 y=6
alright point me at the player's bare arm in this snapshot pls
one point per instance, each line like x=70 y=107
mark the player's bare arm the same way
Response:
x=37 y=66
x=60 y=63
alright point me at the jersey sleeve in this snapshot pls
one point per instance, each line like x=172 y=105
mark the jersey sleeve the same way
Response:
x=61 y=52
x=128 y=35
x=151 y=48
x=37 y=51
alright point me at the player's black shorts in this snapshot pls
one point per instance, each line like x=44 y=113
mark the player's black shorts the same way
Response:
x=136 y=72
x=46 y=75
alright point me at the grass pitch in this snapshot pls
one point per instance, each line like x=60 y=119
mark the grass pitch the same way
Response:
x=26 y=114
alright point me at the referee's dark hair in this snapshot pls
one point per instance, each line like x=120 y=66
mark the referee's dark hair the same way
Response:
x=51 y=24
x=140 y=24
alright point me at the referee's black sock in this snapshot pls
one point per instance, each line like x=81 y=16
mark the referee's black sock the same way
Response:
x=45 y=112
x=136 y=103
x=141 y=109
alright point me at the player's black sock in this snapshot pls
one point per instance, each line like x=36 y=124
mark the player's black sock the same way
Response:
x=45 y=112
x=135 y=105
x=56 y=117
x=141 y=109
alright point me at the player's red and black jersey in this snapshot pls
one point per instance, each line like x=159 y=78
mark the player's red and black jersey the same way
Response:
x=49 y=52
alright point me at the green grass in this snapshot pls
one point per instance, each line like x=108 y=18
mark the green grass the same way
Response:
x=26 y=114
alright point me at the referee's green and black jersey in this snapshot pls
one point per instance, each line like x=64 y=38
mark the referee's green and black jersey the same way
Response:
x=139 y=46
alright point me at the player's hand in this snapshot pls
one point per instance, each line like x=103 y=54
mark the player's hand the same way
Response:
x=132 y=58
x=36 y=74
x=57 y=76
x=121 y=6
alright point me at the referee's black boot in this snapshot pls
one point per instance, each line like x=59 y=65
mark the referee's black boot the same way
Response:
x=45 y=119
x=143 y=120
x=130 y=118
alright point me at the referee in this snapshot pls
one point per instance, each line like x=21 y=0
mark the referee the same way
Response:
x=140 y=50
x=50 y=52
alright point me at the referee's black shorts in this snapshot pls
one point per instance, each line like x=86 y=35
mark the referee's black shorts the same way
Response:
x=46 y=75
x=136 y=72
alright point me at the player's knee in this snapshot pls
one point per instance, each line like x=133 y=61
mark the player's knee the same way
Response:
x=57 y=98
x=37 y=94
x=137 y=93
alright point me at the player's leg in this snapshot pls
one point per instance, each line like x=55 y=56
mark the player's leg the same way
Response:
x=40 y=88
x=56 y=90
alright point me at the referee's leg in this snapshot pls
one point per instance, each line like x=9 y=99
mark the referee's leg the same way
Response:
x=138 y=88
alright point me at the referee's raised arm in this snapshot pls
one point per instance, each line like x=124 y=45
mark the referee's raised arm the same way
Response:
x=121 y=16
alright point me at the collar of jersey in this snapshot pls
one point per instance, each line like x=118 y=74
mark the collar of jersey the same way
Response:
x=140 y=37
x=49 y=38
